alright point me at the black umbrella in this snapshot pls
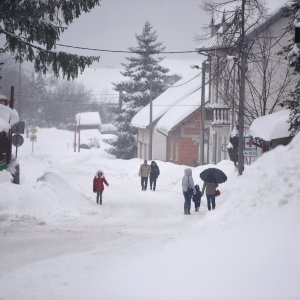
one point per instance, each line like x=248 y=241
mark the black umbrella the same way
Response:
x=213 y=175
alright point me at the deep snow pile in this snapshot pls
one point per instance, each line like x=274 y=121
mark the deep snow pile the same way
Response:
x=139 y=245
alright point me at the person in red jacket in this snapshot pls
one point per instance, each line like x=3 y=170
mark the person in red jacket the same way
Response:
x=98 y=185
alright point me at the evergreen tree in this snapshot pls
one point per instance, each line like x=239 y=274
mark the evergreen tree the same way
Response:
x=293 y=50
x=32 y=28
x=145 y=79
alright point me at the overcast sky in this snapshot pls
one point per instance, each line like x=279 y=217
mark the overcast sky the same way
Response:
x=113 y=25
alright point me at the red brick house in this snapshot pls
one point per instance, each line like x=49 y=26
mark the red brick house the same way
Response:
x=177 y=126
x=183 y=141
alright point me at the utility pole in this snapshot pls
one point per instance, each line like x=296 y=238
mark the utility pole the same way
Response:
x=19 y=90
x=242 y=54
x=75 y=129
x=78 y=134
x=202 y=111
x=151 y=121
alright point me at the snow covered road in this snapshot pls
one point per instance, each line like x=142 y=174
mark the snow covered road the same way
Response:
x=56 y=243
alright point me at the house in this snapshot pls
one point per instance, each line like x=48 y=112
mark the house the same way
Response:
x=273 y=78
x=176 y=125
x=269 y=131
x=162 y=104
x=268 y=79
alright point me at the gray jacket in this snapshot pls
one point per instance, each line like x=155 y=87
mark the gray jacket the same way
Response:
x=187 y=180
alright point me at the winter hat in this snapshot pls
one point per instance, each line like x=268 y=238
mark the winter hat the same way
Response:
x=99 y=173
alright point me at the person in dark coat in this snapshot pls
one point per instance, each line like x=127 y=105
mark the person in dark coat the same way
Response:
x=154 y=172
x=211 y=189
x=98 y=185
x=197 y=197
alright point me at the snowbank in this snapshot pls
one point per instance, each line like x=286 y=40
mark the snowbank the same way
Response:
x=272 y=126
x=139 y=244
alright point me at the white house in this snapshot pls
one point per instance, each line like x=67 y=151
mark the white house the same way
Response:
x=267 y=78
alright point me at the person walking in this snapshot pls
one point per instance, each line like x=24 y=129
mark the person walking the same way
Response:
x=144 y=174
x=154 y=172
x=210 y=188
x=188 y=190
x=98 y=185
x=197 y=197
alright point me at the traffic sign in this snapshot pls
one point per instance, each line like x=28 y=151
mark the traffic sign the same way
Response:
x=17 y=140
x=18 y=127
x=33 y=130
x=250 y=149
x=33 y=138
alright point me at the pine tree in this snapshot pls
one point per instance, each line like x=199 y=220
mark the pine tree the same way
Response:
x=293 y=53
x=145 y=78
x=32 y=28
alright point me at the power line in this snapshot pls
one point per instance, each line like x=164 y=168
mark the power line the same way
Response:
x=128 y=51
x=175 y=86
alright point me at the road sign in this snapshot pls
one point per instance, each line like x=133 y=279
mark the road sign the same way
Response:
x=249 y=148
x=33 y=130
x=33 y=138
x=18 y=127
x=17 y=140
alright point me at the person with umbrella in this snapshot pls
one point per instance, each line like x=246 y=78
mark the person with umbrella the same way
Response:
x=212 y=177
x=188 y=190
x=211 y=189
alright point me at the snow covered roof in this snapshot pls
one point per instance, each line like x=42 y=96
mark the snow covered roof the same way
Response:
x=272 y=126
x=164 y=102
x=88 y=118
x=179 y=112
x=8 y=117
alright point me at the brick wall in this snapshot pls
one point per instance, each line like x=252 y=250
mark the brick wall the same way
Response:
x=181 y=140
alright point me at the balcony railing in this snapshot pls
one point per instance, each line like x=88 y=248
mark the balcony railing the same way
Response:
x=217 y=116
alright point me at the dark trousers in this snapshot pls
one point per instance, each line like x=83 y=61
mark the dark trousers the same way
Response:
x=99 y=197
x=197 y=204
x=144 y=182
x=211 y=201
x=187 y=202
x=153 y=183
